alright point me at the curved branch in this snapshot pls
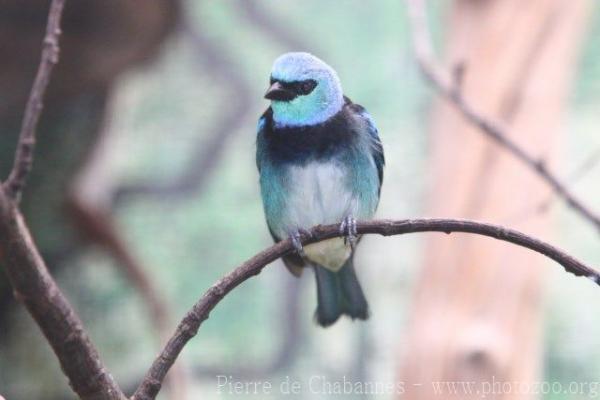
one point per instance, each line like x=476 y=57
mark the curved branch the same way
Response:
x=24 y=153
x=450 y=89
x=289 y=331
x=190 y=324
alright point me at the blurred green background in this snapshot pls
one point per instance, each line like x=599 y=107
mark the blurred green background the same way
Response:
x=160 y=112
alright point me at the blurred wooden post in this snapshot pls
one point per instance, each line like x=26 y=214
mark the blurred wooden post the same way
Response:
x=477 y=311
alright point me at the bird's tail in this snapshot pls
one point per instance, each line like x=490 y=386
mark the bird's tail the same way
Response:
x=339 y=293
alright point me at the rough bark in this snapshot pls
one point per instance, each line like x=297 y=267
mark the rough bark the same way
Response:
x=34 y=287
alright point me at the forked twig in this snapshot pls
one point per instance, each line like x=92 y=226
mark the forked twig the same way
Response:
x=450 y=89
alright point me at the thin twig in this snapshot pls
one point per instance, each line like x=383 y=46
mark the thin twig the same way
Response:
x=24 y=153
x=449 y=88
x=188 y=327
x=579 y=173
x=586 y=166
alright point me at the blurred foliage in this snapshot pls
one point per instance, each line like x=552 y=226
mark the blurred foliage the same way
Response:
x=162 y=110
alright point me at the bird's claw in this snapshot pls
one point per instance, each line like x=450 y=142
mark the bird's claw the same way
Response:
x=305 y=232
x=296 y=237
x=349 y=231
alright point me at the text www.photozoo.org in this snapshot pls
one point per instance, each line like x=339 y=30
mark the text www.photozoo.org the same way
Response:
x=229 y=386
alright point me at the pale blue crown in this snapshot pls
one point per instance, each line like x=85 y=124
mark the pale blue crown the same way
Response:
x=318 y=106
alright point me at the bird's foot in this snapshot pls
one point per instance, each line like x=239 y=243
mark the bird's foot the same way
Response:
x=296 y=237
x=348 y=230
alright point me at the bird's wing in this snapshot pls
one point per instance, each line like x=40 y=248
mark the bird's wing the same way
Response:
x=260 y=137
x=376 y=146
x=293 y=262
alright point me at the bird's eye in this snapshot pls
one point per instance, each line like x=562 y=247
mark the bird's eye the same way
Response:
x=305 y=87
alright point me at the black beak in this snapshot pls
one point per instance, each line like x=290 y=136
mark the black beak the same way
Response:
x=278 y=93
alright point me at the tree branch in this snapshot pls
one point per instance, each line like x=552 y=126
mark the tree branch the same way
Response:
x=35 y=288
x=24 y=153
x=27 y=273
x=188 y=327
x=450 y=89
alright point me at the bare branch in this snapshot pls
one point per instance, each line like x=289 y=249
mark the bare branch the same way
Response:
x=27 y=272
x=24 y=153
x=449 y=88
x=35 y=288
x=190 y=324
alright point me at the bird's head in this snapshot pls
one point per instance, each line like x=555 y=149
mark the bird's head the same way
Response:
x=304 y=90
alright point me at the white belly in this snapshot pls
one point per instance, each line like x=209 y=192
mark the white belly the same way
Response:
x=319 y=194
x=331 y=253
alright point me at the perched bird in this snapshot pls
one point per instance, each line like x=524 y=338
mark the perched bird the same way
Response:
x=320 y=162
